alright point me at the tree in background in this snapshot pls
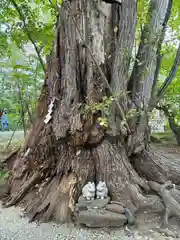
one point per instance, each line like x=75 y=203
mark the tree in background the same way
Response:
x=170 y=106
x=20 y=86
x=23 y=49
x=92 y=115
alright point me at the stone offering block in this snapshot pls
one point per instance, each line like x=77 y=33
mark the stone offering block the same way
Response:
x=98 y=218
x=115 y=208
x=96 y=203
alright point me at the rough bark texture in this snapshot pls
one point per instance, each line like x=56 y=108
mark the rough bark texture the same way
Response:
x=145 y=64
x=61 y=156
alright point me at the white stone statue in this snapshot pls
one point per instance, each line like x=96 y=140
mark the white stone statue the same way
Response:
x=101 y=190
x=89 y=190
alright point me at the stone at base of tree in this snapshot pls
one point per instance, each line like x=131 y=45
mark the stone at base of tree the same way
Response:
x=116 y=202
x=97 y=218
x=131 y=219
x=96 y=203
x=115 y=208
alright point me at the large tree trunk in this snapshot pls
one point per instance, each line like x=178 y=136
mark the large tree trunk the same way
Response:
x=60 y=157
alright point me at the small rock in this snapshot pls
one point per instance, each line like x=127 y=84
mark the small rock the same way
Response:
x=80 y=207
x=96 y=203
x=100 y=203
x=131 y=219
x=168 y=233
x=101 y=218
x=115 y=208
x=82 y=202
x=116 y=202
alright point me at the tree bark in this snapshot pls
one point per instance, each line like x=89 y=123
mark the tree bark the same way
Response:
x=144 y=68
x=159 y=55
x=60 y=156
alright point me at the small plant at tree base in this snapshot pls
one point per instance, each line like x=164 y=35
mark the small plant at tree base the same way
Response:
x=4 y=174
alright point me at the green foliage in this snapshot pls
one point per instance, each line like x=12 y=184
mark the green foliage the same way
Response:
x=172 y=96
x=20 y=81
x=103 y=107
x=4 y=174
x=23 y=26
x=37 y=18
x=27 y=24
x=175 y=19
x=172 y=100
x=163 y=137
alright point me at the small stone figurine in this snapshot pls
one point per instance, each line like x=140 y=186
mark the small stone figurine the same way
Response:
x=101 y=190
x=89 y=190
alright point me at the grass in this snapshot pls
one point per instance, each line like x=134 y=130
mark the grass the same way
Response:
x=14 y=145
x=163 y=137
x=17 y=142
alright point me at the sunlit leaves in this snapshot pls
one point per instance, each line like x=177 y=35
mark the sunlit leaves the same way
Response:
x=4 y=174
x=36 y=17
x=175 y=18
x=172 y=96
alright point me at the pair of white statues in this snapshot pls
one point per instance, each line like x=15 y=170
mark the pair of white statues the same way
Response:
x=89 y=190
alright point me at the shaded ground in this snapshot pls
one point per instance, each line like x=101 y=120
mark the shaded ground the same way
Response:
x=5 y=137
x=14 y=227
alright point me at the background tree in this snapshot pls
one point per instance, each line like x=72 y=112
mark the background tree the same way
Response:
x=21 y=79
x=24 y=46
x=169 y=104
x=170 y=107
x=91 y=59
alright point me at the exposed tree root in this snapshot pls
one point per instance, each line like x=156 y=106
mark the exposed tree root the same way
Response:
x=56 y=191
x=27 y=185
x=65 y=174
x=171 y=204
x=113 y=166
x=10 y=158
x=58 y=203
x=156 y=167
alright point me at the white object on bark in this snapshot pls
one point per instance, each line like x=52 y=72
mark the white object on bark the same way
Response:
x=101 y=190
x=88 y=191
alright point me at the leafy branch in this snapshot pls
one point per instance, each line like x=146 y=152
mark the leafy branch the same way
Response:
x=170 y=77
x=21 y=15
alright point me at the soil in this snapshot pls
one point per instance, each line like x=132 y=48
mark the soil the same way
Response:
x=13 y=226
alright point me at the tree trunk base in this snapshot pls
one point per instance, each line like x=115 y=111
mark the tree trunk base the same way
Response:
x=50 y=189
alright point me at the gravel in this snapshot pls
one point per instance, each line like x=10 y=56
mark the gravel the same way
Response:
x=15 y=227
